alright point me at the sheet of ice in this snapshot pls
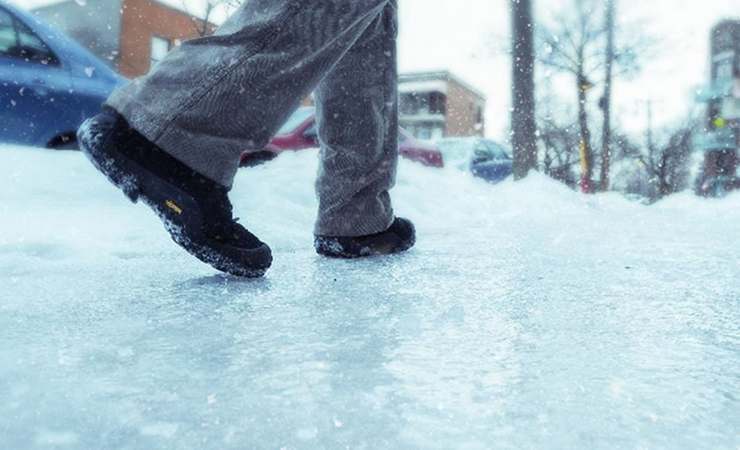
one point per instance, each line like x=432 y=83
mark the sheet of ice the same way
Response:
x=528 y=316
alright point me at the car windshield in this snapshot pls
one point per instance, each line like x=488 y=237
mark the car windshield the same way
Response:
x=298 y=117
x=499 y=151
x=7 y=32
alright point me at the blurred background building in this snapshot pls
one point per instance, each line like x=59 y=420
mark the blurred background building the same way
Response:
x=130 y=35
x=439 y=104
x=721 y=140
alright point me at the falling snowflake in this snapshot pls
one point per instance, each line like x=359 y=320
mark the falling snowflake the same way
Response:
x=89 y=71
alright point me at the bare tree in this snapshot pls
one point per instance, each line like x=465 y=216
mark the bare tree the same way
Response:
x=559 y=143
x=630 y=176
x=574 y=44
x=523 y=124
x=202 y=26
x=203 y=23
x=666 y=163
x=571 y=45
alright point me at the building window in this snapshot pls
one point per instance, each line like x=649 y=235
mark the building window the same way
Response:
x=423 y=103
x=723 y=66
x=437 y=103
x=160 y=47
x=723 y=70
x=414 y=103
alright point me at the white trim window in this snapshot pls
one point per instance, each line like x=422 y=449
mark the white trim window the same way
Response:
x=723 y=66
x=159 y=48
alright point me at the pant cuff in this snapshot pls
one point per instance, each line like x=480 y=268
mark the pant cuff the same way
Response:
x=212 y=158
x=353 y=227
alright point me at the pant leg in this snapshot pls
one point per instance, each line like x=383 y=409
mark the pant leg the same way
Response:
x=214 y=97
x=358 y=130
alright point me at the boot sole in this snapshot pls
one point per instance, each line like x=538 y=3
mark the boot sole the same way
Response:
x=389 y=249
x=167 y=201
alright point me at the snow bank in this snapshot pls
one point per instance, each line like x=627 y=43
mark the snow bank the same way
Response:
x=278 y=201
x=54 y=204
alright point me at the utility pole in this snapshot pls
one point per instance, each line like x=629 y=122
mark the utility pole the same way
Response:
x=606 y=100
x=523 y=124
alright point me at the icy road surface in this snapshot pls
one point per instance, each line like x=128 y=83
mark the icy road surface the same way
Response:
x=528 y=316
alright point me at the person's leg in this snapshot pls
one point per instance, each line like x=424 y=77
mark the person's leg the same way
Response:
x=358 y=130
x=173 y=138
x=214 y=97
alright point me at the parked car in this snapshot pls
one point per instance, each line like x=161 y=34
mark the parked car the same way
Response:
x=483 y=158
x=299 y=132
x=48 y=83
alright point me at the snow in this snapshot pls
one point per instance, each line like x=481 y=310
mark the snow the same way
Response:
x=528 y=316
x=423 y=86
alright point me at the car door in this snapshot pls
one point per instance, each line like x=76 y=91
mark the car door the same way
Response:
x=483 y=163
x=33 y=85
x=502 y=160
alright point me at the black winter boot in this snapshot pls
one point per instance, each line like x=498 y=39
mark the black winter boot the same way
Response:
x=195 y=210
x=399 y=237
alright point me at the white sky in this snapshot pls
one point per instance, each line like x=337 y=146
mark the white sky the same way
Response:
x=468 y=38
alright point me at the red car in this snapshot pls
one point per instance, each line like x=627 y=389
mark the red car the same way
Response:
x=299 y=133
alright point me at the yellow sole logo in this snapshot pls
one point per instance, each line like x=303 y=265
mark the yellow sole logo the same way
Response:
x=173 y=206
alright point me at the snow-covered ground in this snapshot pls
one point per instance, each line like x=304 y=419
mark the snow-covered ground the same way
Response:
x=528 y=316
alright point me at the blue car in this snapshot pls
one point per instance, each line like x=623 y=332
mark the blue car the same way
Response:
x=483 y=158
x=48 y=83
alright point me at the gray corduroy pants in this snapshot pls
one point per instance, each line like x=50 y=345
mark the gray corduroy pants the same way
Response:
x=212 y=98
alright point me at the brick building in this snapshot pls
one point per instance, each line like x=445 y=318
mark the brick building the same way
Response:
x=721 y=141
x=439 y=104
x=130 y=35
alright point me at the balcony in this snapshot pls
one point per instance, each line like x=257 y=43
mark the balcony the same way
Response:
x=716 y=90
x=717 y=140
x=422 y=116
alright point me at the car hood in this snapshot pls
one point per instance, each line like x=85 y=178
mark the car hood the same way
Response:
x=424 y=145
